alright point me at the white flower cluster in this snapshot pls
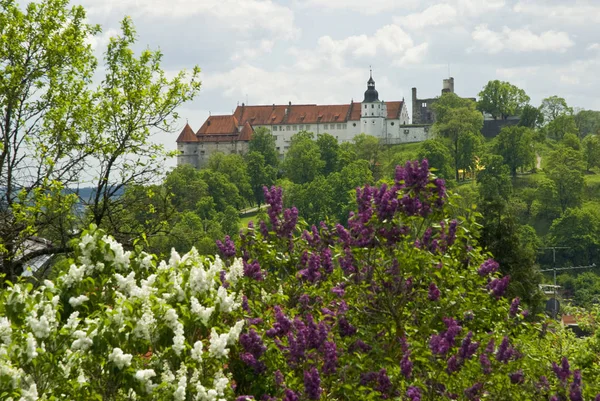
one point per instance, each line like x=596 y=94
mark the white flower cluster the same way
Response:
x=136 y=304
x=119 y=358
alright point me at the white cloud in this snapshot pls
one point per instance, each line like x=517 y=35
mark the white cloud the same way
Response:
x=593 y=47
x=241 y=15
x=575 y=12
x=414 y=55
x=520 y=40
x=250 y=51
x=364 y=7
x=390 y=41
x=436 y=15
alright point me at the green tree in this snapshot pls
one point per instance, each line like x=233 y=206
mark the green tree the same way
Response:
x=502 y=99
x=235 y=168
x=531 y=117
x=186 y=186
x=560 y=126
x=438 y=156
x=578 y=229
x=515 y=145
x=554 y=106
x=303 y=161
x=457 y=118
x=223 y=191
x=260 y=173
x=263 y=142
x=60 y=131
x=495 y=186
x=565 y=168
x=329 y=148
x=572 y=141
x=588 y=122
x=591 y=151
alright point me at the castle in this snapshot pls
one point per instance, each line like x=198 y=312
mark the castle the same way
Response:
x=388 y=121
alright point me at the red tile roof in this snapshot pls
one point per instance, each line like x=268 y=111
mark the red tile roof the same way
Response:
x=246 y=133
x=306 y=113
x=187 y=135
x=219 y=125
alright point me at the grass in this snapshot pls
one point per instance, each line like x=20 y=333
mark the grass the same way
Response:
x=246 y=218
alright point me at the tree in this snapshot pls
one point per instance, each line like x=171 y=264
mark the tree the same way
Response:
x=560 y=126
x=554 y=106
x=438 y=156
x=515 y=145
x=329 y=148
x=455 y=119
x=57 y=131
x=588 y=122
x=260 y=175
x=578 y=229
x=263 y=142
x=502 y=99
x=303 y=161
x=234 y=167
x=565 y=168
x=186 y=187
x=591 y=151
x=223 y=192
x=531 y=117
x=572 y=141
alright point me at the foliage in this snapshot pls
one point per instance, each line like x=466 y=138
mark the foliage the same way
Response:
x=515 y=145
x=588 y=122
x=591 y=151
x=460 y=123
x=58 y=131
x=263 y=142
x=329 y=149
x=438 y=156
x=553 y=107
x=260 y=174
x=303 y=161
x=572 y=141
x=560 y=126
x=531 y=117
x=579 y=230
x=565 y=168
x=502 y=99
x=236 y=170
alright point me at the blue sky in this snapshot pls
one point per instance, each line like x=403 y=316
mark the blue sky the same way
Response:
x=319 y=51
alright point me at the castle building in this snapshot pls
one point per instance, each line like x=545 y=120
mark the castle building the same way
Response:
x=231 y=133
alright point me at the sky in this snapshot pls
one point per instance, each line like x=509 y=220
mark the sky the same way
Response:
x=319 y=51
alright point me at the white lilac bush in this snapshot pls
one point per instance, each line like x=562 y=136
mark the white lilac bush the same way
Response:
x=119 y=325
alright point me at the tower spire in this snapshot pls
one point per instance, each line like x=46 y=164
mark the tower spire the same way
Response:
x=370 y=72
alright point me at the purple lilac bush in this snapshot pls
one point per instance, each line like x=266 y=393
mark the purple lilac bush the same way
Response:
x=399 y=303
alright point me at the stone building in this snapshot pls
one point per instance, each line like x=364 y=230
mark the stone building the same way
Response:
x=387 y=120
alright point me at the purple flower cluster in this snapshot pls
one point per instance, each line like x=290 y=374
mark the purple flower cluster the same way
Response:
x=505 y=351
x=380 y=379
x=311 y=272
x=413 y=393
x=485 y=363
x=227 y=248
x=284 y=226
x=290 y=395
x=434 y=292
x=421 y=192
x=254 y=348
x=330 y=357
x=441 y=343
x=468 y=347
x=488 y=267
x=575 y=388
x=472 y=393
x=359 y=345
x=498 y=286
x=514 y=307
x=562 y=372
x=282 y=324
x=312 y=384
x=517 y=377
x=252 y=270
x=346 y=329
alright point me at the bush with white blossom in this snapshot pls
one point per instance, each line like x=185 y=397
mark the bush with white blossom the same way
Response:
x=119 y=325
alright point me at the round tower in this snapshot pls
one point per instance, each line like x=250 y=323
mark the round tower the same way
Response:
x=373 y=111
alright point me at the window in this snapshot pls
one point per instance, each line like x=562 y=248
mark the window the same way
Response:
x=373 y=121
x=392 y=123
x=182 y=152
x=301 y=127
x=344 y=126
x=275 y=128
x=354 y=124
x=295 y=128
x=372 y=114
x=280 y=128
x=372 y=106
x=423 y=104
x=287 y=128
x=406 y=132
x=325 y=126
x=307 y=127
x=339 y=126
x=201 y=152
x=379 y=106
x=365 y=106
x=278 y=148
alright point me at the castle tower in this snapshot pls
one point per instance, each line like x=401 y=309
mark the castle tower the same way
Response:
x=373 y=111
